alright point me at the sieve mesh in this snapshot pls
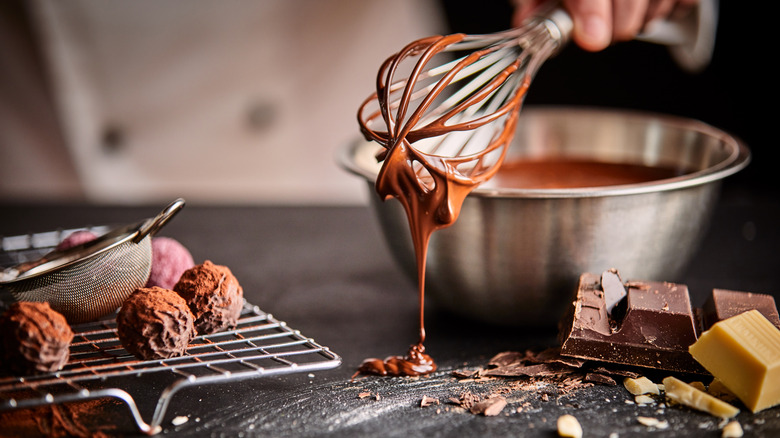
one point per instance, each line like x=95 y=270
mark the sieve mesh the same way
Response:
x=91 y=280
x=92 y=287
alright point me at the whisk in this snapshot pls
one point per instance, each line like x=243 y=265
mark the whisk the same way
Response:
x=91 y=280
x=449 y=104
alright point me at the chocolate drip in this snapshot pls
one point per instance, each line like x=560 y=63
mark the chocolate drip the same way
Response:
x=415 y=363
x=431 y=188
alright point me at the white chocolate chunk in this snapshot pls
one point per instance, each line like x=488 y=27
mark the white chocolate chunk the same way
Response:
x=569 y=427
x=743 y=352
x=640 y=385
x=683 y=393
x=643 y=399
x=653 y=422
x=732 y=430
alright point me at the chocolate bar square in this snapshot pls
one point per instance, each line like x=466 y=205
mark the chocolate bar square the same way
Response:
x=653 y=330
x=724 y=304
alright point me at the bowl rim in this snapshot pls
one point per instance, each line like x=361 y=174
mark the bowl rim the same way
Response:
x=738 y=159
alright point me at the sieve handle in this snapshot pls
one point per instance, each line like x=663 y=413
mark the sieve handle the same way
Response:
x=150 y=226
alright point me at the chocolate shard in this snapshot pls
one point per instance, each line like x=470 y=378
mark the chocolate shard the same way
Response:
x=601 y=379
x=723 y=304
x=655 y=332
x=614 y=291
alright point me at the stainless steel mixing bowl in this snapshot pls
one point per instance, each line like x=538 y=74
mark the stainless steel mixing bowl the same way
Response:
x=514 y=255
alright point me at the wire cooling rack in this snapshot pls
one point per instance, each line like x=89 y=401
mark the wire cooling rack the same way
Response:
x=99 y=366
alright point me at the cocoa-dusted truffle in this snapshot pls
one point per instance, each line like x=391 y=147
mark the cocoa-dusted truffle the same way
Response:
x=214 y=296
x=155 y=323
x=34 y=338
x=169 y=261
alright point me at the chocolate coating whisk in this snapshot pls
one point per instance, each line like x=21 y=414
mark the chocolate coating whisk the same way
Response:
x=449 y=103
x=460 y=98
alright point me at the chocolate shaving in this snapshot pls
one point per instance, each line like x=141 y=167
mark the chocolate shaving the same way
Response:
x=466 y=400
x=538 y=370
x=553 y=355
x=616 y=372
x=489 y=407
x=601 y=379
x=465 y=374
x=508 y=358
x=427 y=401
x=547 y=362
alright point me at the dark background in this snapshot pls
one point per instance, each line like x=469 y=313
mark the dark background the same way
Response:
x=734 y=93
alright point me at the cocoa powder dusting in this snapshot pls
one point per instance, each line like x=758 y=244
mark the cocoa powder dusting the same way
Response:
x=88 y=419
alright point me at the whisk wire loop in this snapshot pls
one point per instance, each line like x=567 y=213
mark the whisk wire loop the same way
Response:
x=461 y=111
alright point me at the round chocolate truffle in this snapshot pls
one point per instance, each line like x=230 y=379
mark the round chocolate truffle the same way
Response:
x=214 y=296
x=35 y=338
x=169 y=261
x=155 y=323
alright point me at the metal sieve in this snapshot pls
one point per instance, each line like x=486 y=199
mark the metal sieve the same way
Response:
x=90 y=280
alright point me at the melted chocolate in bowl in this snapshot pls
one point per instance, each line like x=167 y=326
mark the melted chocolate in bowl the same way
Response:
x=567 y=173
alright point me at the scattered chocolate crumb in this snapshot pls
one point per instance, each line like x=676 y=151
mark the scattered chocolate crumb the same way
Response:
x=601 y=379
x=489 y=407
x=553 y=355
x=616 y=372
x=467 y=400
x=521 y=370
x=531 y=364
x=507 y=358
x=465 y=374
x=428 y=401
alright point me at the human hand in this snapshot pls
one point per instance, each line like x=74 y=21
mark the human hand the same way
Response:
x=599 y=23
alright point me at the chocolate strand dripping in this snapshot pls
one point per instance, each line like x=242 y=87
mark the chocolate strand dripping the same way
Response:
x=430 y=185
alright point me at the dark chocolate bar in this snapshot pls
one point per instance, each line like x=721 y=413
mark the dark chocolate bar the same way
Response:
x=724 y=304
x=653 y=330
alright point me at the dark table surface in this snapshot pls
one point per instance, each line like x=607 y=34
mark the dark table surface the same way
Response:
x=327 y=272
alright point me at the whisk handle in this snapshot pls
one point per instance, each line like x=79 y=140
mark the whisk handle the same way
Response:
x=559 y=24
x=690 y=39
x=152 y=225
